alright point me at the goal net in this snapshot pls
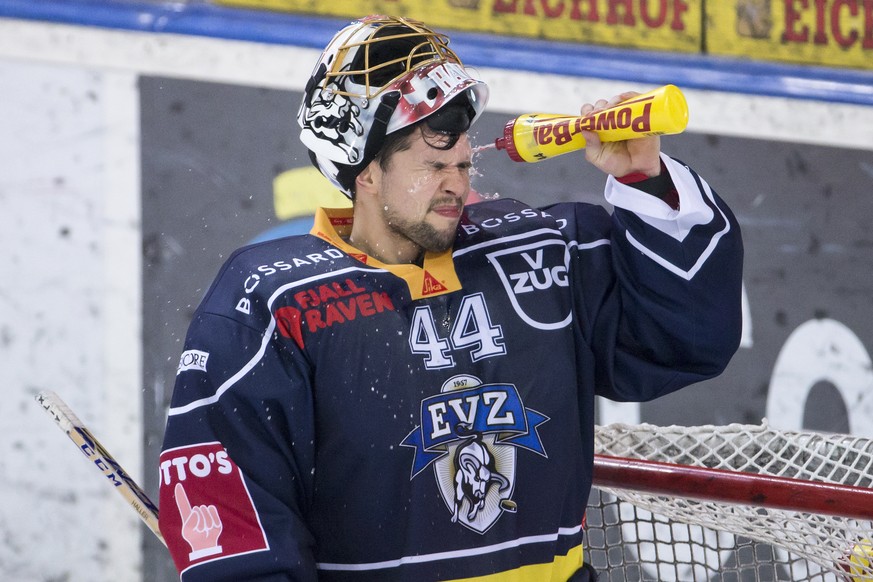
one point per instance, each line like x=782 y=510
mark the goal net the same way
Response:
x=730 y=503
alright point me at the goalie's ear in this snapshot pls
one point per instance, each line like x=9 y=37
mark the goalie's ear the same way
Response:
x=368 y=179
x=347 y=174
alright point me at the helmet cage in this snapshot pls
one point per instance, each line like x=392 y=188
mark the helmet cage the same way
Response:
x=432 y=48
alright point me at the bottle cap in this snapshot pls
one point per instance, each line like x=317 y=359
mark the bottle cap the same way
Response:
x=507 y=142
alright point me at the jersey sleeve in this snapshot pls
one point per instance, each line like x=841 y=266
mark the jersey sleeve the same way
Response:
x=667 y=312
x=237 y=471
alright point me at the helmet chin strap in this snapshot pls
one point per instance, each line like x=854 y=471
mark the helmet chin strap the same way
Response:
x=347 y=174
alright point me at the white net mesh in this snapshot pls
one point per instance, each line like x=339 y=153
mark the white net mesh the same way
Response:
x=640 y=536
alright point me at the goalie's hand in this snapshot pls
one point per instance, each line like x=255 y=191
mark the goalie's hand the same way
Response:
x=620 y=158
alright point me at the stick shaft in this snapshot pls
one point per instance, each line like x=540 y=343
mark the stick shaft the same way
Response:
x=118 y=478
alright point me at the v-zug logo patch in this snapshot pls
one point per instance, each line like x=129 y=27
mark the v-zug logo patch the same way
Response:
x=470 y=433
x=531 y=272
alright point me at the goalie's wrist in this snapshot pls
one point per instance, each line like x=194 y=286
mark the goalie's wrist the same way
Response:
x=660 y=185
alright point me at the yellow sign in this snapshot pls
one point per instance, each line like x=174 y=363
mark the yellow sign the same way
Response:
x=670 y=25
x=300 y=191
x=819 y=32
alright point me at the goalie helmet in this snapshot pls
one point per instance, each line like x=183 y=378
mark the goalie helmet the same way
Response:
x=376 y=76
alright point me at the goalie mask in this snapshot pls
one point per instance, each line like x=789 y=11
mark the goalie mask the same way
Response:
x=376 y=76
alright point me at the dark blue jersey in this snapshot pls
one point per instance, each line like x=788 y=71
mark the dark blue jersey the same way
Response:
x=337 y=418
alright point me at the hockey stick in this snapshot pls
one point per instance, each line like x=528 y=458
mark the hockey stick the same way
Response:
x=118 y=477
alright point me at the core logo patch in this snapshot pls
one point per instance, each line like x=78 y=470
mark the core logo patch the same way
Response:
x=206 y=510
x=192 y=360
x=470 y=433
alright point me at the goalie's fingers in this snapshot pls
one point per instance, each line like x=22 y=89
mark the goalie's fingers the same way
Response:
x=616 y=99
x=593 y=147
x=601 y=104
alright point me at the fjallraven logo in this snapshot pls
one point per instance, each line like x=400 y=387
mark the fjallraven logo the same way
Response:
x=324 y=306
x=471 y=433
x=528 y=273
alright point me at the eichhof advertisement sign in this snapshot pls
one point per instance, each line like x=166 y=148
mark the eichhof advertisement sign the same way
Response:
x=816 y=32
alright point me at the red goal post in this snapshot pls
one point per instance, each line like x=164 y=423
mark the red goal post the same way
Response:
x=735 y=502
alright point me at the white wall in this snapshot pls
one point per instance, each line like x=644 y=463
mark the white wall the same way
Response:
x=69 y=317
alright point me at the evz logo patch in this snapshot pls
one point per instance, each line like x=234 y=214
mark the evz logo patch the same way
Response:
x=529 y=271
x=470 y=433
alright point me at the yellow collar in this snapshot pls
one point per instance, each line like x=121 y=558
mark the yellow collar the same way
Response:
x=435 y=277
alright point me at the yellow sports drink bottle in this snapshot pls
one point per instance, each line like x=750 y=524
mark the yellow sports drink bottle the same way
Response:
x=538 y=136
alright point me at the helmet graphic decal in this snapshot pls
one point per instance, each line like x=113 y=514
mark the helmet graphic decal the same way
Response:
x=330 y=115
x=376 y=76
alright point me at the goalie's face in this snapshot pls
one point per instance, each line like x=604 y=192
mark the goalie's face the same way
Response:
x=413 y=201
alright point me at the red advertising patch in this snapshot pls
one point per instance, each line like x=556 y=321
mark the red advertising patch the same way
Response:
x=206 y=510
x=324 y=306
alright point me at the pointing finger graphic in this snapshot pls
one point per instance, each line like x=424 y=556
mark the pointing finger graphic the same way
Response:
x=201 y=525
x=182 y=502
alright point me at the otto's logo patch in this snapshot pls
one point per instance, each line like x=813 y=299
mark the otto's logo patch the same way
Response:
x=471 y=432
x=192 y=360
x=529 y=271
x=206 y=510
